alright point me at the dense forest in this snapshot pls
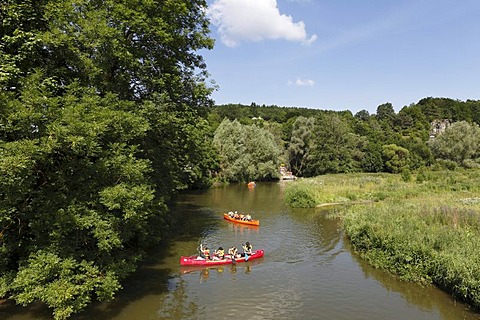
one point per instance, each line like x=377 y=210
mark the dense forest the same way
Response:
x=105 y=115
x=435 y=132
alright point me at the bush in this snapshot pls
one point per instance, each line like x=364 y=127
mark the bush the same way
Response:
x=447 y=164
x=421 y=177
x=299 y=196
x=406 y=175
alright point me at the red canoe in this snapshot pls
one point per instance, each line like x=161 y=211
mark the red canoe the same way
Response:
x=251 y=222
x=196 y=261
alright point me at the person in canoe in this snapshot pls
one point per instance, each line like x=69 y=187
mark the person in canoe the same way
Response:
x=219 y=254
x=233 y=252
x=248 y=217
x=247 y=248
x=204 y=252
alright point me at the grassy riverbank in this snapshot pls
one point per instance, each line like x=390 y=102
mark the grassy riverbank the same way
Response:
x=422 y=227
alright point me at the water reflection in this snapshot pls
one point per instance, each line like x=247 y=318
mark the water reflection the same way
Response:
x=242 y=230
x=204 y=273
x=426 y=297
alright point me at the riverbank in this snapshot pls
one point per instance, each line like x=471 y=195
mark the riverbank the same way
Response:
x=424 y=227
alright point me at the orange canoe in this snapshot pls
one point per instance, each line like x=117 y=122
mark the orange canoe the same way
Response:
x=251 y=222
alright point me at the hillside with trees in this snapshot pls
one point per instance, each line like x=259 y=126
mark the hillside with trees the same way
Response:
x=317 y=142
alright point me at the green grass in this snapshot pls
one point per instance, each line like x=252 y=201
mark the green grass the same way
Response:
x=424 y=229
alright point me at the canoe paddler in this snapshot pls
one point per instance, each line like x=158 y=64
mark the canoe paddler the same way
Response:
x=233 y=252
x=219 y=254
x=247 y=248
x=204 y=252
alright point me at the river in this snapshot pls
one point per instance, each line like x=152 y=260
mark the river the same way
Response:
x=309 y=270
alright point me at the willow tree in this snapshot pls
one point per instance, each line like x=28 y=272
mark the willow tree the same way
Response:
x=459 y=143
x=246 y=152
x=100 y=104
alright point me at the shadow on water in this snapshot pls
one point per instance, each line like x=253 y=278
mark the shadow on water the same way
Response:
x=426 y=297
x=153 y=277
x=148 y=280
x=158 y=275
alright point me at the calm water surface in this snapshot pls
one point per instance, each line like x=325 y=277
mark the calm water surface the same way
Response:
x=308 y=272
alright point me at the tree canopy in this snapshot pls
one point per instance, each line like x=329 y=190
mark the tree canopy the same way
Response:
x=246 y=152
x=319 y=141
x=100 y=127
x=459 y=143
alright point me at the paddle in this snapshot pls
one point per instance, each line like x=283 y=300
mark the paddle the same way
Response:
x=232 y=255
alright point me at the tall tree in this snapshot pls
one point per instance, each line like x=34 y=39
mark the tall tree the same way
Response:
x=335 y=147
x=132 y=48
x=247 y=152
x=459 y=142
x=77 y=203
x=300 y=143
x=100 y=124
x=396 y=158
x=385 y=112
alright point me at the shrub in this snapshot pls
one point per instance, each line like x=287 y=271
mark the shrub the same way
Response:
x=299 y=196
x=406 y=175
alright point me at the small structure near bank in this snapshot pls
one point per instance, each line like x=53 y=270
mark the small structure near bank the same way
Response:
x=285 y=174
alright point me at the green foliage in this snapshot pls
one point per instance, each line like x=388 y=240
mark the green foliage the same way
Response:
x=434 y=244
x=396 y=158
x=301 y=141
x=248 y=152
x=99 y=128
x=267 y=113
x=300 y=196
x=459 y=143
x=129 y=48
x=317 y=149
x=335 y=148
x=77 y=198
x=385 y=112
x=406 y=175
x=421 y=176
x=63 y=284
x=424 y=232
x=372 y=158
x=180 y=147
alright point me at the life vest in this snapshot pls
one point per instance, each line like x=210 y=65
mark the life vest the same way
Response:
x=220 y=253
x=206 y=252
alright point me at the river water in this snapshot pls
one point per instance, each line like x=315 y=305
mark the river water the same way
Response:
x=309 y=271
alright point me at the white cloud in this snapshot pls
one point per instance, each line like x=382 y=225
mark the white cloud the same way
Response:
x=302 y=82
x=254 y=20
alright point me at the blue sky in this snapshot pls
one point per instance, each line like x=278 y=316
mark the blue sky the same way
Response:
x=344 y=54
